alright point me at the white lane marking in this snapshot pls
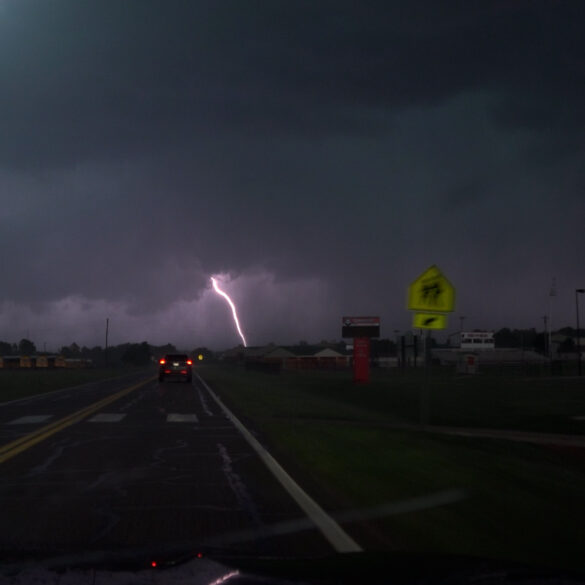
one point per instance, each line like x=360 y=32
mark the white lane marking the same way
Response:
x=331 y=530
x=176 y=417
x=237 y=486
x=580 y=417
x=107 y=417
x=437 y=499
x=33 y=419
x=204 y=404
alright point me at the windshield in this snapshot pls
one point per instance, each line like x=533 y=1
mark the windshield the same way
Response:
x=292 y=279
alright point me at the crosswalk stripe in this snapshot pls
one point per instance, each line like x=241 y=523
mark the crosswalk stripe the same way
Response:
x=32 y=419
x=177 y=417
x=107 y=417
x=104 y=417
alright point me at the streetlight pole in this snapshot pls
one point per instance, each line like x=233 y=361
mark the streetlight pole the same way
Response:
x=552 y=293
x=577 y=291
x=107 y=331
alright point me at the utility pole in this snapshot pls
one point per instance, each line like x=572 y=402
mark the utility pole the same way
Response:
x=553 y=293
x=425 y=399
x=577 y=292
x=107 y=329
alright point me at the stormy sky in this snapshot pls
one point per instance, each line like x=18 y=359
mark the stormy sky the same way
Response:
x=315 y=156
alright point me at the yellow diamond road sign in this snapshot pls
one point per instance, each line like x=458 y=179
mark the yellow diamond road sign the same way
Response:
x=431 y=292
x=429 y=321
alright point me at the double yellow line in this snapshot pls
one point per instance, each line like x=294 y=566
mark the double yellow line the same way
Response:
x=23 y=443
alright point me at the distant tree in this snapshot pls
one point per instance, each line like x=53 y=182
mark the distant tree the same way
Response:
x=506 y=338
x=529 y=337
x=207 y=354
x=116 y=352
x=26 y=347
x=168 y=348
x=95 y=354
x=540 y=342
x=137 y=354
x=569 y=331
x=382 y=347
x=5 y=348
x=567 y=346
x=74 y=349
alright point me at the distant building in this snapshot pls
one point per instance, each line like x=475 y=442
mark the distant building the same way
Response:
x=293 y=358
x=17 y=362
x=10 y=362
x=78 y=363
x=322 y=359
x=511 y=355
x=50 y=361
x=565 y=346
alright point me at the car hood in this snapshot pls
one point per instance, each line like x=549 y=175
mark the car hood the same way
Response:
x=198 y=567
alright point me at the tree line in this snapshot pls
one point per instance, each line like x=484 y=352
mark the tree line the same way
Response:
x=136 y=354
x=142 y=353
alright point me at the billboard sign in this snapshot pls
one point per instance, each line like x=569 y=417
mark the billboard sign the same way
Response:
x=360 y=327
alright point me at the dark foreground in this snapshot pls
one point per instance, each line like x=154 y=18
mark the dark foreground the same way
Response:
x=161 y=467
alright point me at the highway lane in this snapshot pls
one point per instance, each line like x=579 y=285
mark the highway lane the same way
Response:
x=20 y=417
x=161 y=465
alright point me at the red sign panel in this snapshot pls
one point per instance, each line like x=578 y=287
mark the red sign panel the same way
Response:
x=361 y=359
x=361 y=321
x=360 y=327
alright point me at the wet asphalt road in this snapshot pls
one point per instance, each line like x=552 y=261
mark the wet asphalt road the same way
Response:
x=162 y=465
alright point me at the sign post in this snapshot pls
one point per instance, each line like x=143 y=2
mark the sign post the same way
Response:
x=361 y=359
x=431 y=296
x=361 y=329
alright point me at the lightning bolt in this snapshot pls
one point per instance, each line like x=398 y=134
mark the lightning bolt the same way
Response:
x=231 y=304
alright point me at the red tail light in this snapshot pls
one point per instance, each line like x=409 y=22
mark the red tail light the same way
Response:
x=162 y=362
x=189 y=362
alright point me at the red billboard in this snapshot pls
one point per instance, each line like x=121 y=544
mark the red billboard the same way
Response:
x=360 y=327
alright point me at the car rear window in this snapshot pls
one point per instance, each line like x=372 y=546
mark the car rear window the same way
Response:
x=176 y=357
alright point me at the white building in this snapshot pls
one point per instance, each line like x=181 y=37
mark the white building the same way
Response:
x=476 y=340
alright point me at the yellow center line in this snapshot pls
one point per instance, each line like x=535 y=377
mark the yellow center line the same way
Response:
x=19 y=445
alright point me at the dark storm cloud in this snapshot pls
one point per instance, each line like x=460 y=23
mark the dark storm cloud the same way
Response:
x=95 y=79
x=319 y=154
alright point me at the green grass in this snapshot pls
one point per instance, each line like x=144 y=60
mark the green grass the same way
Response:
x=521 y=498
x=545 y=405
x=524 y=502
x=15 y=384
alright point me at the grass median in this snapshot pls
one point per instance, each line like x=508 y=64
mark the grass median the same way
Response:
x=524 y=502
x=15 y=384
